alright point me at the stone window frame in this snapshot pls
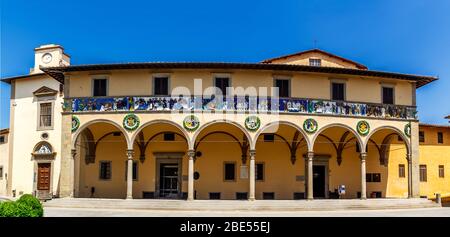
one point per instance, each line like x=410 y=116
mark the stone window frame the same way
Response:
x=388 y=85
x=100 y=77
x=1 y=172
x=287 y=78
x=312 y=59
x=423 y=177
x=401 y=171
x=224 y=171
x=222 y=75
x=45 y=100
x=100 y=169
x=161 y=75
x=5 y=139
x=441 y=171
x=423 y=133
x=338 y=81
x=440 y=138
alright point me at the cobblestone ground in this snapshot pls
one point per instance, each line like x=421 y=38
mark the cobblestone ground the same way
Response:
x=88 y=212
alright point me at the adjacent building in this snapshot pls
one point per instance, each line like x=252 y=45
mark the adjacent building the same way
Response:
x=302 y=126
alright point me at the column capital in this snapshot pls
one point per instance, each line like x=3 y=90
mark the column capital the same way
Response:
x=252 y=154
x=363 y=156
x=130 y=154
x=191 y=154
x=310 y=155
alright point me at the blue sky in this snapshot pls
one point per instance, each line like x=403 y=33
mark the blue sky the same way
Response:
x=399 y=36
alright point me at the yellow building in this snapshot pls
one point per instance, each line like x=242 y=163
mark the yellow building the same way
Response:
x=301 y=126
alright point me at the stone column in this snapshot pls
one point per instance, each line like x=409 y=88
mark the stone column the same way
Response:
x=191 y=154
x=66 y=173
x=363 y=157
x=309 y=160
x=410 y=175
x=130 y=154
x=252 y=178
x=415 y=177
x=74 y=153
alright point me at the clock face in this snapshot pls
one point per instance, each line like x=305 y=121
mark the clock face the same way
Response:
x=46 y=58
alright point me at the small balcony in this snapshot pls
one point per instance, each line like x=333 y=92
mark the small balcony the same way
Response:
x=238 y=105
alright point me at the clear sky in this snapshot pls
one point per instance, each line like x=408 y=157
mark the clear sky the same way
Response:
x=410 y=36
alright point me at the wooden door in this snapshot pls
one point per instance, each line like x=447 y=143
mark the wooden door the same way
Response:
x=43 y=176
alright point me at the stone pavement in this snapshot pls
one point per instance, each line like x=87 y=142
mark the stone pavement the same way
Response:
x=95 y=212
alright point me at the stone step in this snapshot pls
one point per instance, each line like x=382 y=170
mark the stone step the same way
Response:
x=275 y=205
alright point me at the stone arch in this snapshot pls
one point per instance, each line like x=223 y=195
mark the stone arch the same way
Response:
x=394 y=129
x=287 y=123
x=357 y=136
x=159 y=121
x=197 y=133
x=84 y=126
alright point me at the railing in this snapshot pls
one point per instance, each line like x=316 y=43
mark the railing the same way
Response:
x=238 y=104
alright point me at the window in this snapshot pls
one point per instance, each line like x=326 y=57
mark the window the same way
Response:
x=337 y=91
x=421 y=136
x=222 y=83
x=283 y=87
x=45 y=115
x=441 y=171
x=2 y=139
x=259 y=171
x=316 y=62
x=423 y=173
x=401 y=171
x=161 y=85
x=100 y=87
x=373 y=177
x=440 y=136
x=269 y=137
x=105 y=170
x=230 y=172
x=1 y=172
x=388 y=95
x=169 y=136
x=135 y=170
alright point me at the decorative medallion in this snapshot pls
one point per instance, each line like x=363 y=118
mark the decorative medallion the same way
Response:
x=131 y=122
x=408 y=130
x=252 y=123
x=310 y=125
x=191 y=123
x=363 y=127
x=75 y=123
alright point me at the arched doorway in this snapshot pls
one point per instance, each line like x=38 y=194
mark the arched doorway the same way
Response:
x=43 y=155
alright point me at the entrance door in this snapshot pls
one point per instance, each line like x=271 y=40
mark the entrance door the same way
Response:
x=168 y=181
x=319 y=181
x=43 y=177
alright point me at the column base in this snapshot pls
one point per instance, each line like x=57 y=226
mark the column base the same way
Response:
x=190 y=199
x=363 y=198
x=310 y=199
x=129 y=198
x=251 y=199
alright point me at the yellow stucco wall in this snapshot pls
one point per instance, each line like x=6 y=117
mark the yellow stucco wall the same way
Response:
x=303 y=85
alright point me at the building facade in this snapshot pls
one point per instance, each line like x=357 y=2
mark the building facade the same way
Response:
x=301 y=126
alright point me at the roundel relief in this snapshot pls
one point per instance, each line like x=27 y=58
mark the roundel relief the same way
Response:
x=363 y=128
x=252 y=123
x=310 y=125
x=75 y=123
x=191 y=123
x=408 y=130
x=131 y=122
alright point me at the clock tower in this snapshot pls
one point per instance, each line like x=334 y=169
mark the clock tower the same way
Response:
x=49 y=55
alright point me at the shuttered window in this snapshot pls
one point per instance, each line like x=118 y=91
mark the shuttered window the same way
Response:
x=45 y=115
